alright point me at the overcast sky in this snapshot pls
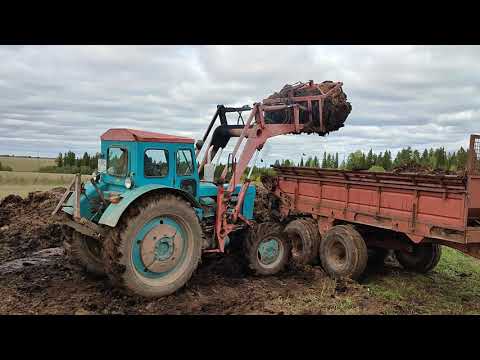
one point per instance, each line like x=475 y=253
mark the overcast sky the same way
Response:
x=56 y=98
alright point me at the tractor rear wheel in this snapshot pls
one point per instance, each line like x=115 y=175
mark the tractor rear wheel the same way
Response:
x=155 y=248
x=267 y=249
x=420 y=258
x=305 y=240
x=343 y=252
x=86 y=251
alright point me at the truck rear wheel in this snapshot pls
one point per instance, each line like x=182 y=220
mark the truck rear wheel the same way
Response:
x=420 y=258
x=155 y=248
x=343 y=252
x=86 y=251
x=267 y=249
x=376 y=256
x=305 y=239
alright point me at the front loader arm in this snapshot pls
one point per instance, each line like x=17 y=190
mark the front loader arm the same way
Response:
x=256 y=133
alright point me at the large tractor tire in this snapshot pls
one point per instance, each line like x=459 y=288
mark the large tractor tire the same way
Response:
x=155 y=248
x=343 y=252
x=86 y=251
x=420 y=258
x=267 y=249
x=305 y=240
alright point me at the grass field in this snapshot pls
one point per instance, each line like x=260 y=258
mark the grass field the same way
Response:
x=453 y=287
x=19 y=163
x=21 y=183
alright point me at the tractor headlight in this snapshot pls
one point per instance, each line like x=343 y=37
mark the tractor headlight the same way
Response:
x=96 y=177
x=128 y=183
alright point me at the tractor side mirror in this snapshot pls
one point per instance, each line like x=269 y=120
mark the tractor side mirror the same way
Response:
x=199 y=144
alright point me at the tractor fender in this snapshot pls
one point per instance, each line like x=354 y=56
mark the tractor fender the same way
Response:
x=113 y=212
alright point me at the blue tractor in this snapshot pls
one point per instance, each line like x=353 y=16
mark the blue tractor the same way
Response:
x=145 y=217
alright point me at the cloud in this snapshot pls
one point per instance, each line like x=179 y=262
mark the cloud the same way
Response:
x=55 y=98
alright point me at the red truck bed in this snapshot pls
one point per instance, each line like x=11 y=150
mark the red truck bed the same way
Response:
x=441 y=207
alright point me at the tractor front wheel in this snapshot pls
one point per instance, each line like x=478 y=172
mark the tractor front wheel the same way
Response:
x=86 y=251
x=155 y=248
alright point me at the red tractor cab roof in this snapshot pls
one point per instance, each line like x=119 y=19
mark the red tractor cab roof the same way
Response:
x=143 y=136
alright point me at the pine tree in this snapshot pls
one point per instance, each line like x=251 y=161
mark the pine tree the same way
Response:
x=424 y=159
x=59 y=160
x=369 y=160
x=85 y=159
x=462 y=157
x=387 y=160
x=416 y=157
x=379 y=160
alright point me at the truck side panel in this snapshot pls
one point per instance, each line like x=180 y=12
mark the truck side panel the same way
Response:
x=436 y=212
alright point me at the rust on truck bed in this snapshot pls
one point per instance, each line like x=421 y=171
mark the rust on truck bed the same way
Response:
x=423 y=207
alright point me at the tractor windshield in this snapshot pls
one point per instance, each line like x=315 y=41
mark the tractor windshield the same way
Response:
x=117 y=162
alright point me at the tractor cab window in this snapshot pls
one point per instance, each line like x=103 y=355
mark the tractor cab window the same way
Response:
x=184 y=163
x=117 y=162
x=156 y=163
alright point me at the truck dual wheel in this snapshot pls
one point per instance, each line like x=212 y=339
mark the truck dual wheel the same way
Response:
x=343 y=252
x=86 y=251
x=377 y=255
x=155 y=248
x=305 y=240
x=420 y=258
x=267 y=249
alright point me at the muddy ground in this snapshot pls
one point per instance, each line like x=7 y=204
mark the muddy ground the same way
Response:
x=36 y=278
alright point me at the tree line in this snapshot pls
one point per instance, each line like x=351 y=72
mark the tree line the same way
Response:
x=69 y=163
x=5 y=167
x=433 y=158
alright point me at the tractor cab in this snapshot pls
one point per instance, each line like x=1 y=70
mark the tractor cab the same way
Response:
x=132 y=163
x=134 y=158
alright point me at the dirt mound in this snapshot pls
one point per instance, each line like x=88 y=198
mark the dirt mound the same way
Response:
x=262 y=205
x=415 y=168
x=335 y=109
x=26 y=225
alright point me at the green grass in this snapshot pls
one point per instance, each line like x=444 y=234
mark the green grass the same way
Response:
x=19 y=163
x=453 y=287
x=21 y=183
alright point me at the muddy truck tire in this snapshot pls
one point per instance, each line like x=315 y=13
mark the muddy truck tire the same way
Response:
x=422 y=258
x=376 y=256
x=267 y=249
x=155 y=248
x=305 y=240
x=85 y=251
x=343 y=252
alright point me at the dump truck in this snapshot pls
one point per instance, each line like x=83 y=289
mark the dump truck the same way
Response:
x=154 y=206
x=346 y=218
